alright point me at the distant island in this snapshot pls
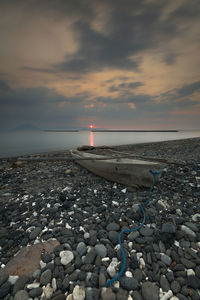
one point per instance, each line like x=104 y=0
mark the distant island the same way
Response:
x=61 y=130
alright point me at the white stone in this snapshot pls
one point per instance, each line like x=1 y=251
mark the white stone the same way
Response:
x=67 y=226
x=115 y=203
x=129 y=297
x=35 y=214
x=42 y=264
x=13 y=279
x=112 y=268
x=33 y=285
x=167 y=295
x=78 y=293
x=174 y=298
x=190 y=272
x=178 y=212
x=86 y=235
x=47 y=292
x=116 y=284
x=142 y=263
x=128 y=274
x=70 y=297
x=53 y=284
x=66 y=257
x=123 y=191
x=196 y=217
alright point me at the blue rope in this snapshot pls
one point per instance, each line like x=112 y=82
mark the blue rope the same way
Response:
x=155 y=174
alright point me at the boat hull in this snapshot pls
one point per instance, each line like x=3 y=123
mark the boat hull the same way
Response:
x=130 y=172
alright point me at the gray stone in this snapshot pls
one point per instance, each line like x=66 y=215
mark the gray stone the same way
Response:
x=164 y=284
x=5 y=288
x=35 y=233
x=194 y=282
x=113 y=227
x=146 y=231
x=107 y=294
x=113 y=236
x=168 y=228
x=102 y=280
x=166 y=259
x=45 y=277
x=188 y=231
x=128 y=283
x=187 y=263
x=181 y=297
x=133 y=235
x=81 y=248
x=185 y=244
x=3 y=278
x=20 y=283
x=175 y=287
x=101 y=250
x=21 y=295
x=162 y=247
x=35 y=292
x=90 y=256
x=150 y=291
x=122 y=295
x=137 y=295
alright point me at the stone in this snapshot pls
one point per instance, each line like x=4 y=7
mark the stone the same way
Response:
x=150 y=291
x=166 y=259
x=35 y=292
x=5 y=288
x=128 y=283
x=133 y=235
x=3 y=278
x=20 y=283
x=113 y=236
x=168 y=228
x=175 y=287
x=81 y=248
x=137 y=295
x=36 y=231
x=47 y=292
x=107 y=294
x=66 y=257
x=45 y=277
x=113 y=227
x=90 y=256
x=194 y=282
x=28 y=259
x=78 y=293
x=164 y=284
x=121 y=295
x=162 y=247
x=21 y=295
x=101 y=250
x=146 y=231
x=112 y=268
x=102 y=280
x=187 y=263
x=188 y=231
x=59 y=297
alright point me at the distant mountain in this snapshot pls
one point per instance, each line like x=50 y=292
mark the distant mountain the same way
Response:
x=27 y=127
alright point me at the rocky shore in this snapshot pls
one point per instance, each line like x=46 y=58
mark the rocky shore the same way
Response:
x=59 y=227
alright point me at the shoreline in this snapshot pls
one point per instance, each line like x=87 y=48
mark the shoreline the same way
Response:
x=84 y=214
x=123 y=147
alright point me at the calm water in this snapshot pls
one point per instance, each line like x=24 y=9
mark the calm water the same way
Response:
x=20 y=143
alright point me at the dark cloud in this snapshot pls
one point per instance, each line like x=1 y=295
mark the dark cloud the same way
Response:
x=122 y=86
x=170 y=59
x=188 y=90
x=4 y=87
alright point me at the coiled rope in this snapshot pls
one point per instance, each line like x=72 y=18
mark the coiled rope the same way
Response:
x=155 y=174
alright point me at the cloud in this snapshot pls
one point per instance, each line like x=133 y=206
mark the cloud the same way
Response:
x=122 y=86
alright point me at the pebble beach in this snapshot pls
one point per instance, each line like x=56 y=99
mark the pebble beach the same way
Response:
x=59 y=227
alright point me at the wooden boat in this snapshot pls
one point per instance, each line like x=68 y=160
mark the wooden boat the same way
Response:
x=128 y=171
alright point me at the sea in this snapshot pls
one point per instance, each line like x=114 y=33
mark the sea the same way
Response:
x=18 y=143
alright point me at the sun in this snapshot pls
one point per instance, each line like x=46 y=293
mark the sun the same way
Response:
x=91 y=126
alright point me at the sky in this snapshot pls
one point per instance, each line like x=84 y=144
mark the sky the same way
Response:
x=117 y=64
